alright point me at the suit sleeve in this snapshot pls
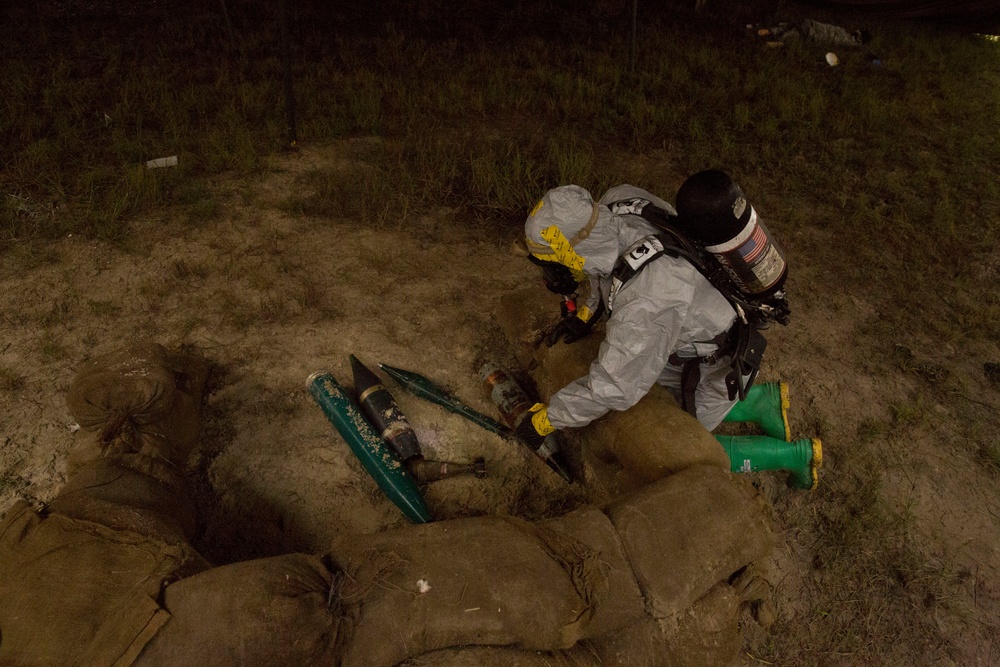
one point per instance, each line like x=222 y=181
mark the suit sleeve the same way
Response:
x=640 y=335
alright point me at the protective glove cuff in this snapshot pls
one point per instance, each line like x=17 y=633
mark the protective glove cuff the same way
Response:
x=534 y=426
x=540 y=419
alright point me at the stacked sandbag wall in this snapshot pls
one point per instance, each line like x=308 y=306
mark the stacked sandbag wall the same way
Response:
x=105 y=574
x=640 y=566
x=81 y=578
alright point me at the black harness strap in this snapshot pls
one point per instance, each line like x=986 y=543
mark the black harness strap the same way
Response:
x=743 y=342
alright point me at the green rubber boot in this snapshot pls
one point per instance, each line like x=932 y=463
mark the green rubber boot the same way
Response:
x=767 y=406
x=753 y=453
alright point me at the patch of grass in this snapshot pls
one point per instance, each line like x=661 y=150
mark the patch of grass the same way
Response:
x=489 y=128
x=52 y=348
x=11 y=381
x=59 y=311
x=871 y=582
x=908 y=414
x=989 y=454
x=104 y=308
x=185 y=271
x=872 y=429
x=317 y=299
x=274 y=308
x=198 y=201
x=241 y=312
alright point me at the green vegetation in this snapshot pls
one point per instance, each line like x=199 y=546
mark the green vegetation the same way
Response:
x=487 y=124
x=11 y=381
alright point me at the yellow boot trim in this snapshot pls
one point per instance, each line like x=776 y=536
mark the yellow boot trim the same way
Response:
x=817 y=461
x=785 y=404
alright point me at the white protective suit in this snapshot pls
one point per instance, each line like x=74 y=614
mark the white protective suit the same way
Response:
x=668 y=308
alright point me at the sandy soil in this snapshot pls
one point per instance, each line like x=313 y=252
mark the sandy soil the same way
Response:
x=270 y=297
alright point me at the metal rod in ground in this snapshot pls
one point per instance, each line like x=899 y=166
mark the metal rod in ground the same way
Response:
x=380 y=462
x=423 y=388
x=513 y=403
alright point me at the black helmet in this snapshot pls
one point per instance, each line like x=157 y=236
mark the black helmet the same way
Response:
x=711 y=207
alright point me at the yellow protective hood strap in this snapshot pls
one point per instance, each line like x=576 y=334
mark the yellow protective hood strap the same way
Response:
x=562 y=250
x=539 y=249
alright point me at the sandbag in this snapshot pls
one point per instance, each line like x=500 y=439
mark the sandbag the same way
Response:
x=616 y=600
x=270 y=611
x=524 y=316
x=141 y=405
x=106 y=492
x=688 y=531
x=655 y=438
x=707 y=634
x=75 y=592
x=484 y=580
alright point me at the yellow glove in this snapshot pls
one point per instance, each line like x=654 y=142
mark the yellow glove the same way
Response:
x=534 y=426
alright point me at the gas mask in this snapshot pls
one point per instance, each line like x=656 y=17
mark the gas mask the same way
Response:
x=558 y=279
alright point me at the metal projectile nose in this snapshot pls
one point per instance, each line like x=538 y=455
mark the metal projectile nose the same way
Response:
x=364 y=379
x=383 y=412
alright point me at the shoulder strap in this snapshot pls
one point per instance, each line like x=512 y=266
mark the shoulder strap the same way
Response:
x=646 y=250
x=632 y=262
x=670 y=235
x=747 y=308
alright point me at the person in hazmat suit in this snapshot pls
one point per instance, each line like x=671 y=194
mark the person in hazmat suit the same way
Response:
x=666 y=322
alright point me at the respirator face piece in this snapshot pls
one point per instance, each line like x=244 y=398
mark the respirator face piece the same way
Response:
x=558 y=279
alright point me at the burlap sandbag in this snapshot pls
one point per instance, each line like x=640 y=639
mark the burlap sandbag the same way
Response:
x=706 y=635
x=616 y=600
x=271 y=611
x=116 y=496
x=484 y=581
x=75 y=592
x=139 y=405
x=686 y=532
x=650 y=440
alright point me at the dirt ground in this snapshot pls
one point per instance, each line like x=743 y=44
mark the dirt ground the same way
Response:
x=269 y=297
